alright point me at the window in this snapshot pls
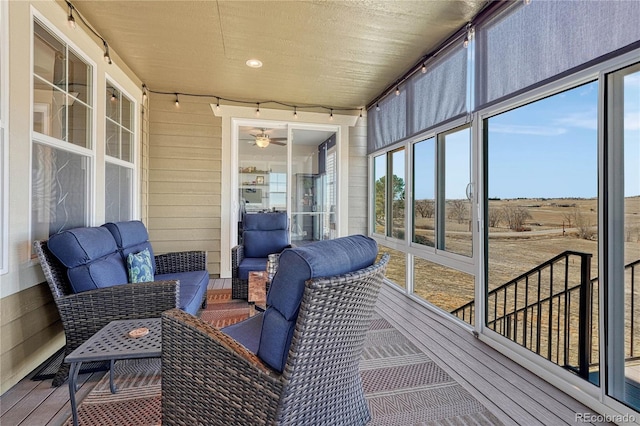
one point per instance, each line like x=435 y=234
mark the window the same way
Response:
x=542 y=233
x=424 y=186
x=62 y=154
x=120 y=165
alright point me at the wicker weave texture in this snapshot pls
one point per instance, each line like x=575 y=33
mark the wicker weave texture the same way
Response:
x=239 y=287
x=210 y=379
x=84 y=314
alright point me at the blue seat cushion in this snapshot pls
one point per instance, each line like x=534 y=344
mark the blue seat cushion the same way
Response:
x=80 y=246
x=246 y=332
x=265 y=221
x=296 y=266
x=259 y=243
x=131 y=237
x=193 y=286
x=104 y=272
x=249 y=264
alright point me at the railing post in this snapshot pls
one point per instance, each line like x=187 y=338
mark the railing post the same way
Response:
x=585 y=317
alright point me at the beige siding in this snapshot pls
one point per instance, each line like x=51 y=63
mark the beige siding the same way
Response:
x=358 y=189
x=184 y=179
x=31 y=331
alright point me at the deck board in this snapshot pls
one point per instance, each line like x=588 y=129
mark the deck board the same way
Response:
x=511 y=392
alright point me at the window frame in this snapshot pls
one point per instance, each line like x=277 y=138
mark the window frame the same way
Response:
x=89 y=154
x=108 y=159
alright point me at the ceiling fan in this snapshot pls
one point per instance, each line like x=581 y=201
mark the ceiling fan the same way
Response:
x=262 y=139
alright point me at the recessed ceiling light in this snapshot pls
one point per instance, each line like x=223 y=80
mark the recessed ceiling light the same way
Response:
x=254 y=63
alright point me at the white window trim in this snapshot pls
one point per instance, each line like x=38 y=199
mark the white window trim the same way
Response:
x=4 y=142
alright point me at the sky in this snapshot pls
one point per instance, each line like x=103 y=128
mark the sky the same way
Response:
x=546 y=149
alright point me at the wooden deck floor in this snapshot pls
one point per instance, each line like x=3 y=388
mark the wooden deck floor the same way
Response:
x=514 y=395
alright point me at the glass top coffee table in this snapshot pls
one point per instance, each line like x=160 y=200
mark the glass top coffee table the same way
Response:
x=114 y=342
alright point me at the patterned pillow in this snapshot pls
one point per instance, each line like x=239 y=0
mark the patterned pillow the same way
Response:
x=139 y=265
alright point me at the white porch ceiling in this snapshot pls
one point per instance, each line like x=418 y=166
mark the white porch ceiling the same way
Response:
x=339 y=54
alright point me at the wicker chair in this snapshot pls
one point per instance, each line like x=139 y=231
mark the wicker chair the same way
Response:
x=209 y=378
x=263 y=234
x=83 y=314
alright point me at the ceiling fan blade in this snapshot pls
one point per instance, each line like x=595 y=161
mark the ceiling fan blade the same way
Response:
x=277 y=142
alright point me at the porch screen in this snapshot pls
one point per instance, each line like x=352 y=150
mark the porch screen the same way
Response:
x=425 y=100
x=530 y=44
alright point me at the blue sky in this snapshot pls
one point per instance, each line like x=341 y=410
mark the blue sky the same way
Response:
x=547 y=149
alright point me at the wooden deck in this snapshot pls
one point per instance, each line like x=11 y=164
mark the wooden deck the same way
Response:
x=512 y=393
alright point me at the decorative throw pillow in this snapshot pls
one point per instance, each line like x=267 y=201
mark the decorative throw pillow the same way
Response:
x=139 y=266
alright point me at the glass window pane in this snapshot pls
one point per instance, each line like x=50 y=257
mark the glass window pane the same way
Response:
x=380 y=194
x=79 y=122
x=49 y=57
x=397 y=267
x=59 y=191
x=424 y=201
x=79 y=78
x=48 y=109
x=397 y=198
x=112 y=134
x=446 y=288
x=632 y=236
x=112 y=103
x=118 y=193
x=458 y=237
x=127 y=146
x=542 y=217
x=127 y=113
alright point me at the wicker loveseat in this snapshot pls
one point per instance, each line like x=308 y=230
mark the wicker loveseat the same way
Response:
x=295 y=364
x=88 y=278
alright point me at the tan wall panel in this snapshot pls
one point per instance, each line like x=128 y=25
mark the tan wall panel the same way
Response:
x=31 y=332
x=185 y=150
x=183 y=176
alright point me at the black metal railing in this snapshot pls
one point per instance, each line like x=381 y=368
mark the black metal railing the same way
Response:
x=552 y=308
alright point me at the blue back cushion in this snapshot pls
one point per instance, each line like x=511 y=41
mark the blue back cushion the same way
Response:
x=296 y=266
x=264 y=234
x=131 y=237
x=91 y=256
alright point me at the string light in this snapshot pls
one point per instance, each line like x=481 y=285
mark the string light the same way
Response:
x=295 y=112
x=177 y=101
x=360 y=112
x=70 y=19
x=113 y=97
x=424 y=69
x=469 y=36
x=397 y=90
x=218 y=105
x=258 y=109
x=107 y=57
x=331 y=116
x=377 y=107
x=144 y=92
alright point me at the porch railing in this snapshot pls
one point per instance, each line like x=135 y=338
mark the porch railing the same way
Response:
x=551 y=310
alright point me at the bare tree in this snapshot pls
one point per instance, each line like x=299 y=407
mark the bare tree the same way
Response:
x=495 y=217
x=516 y=217
x=458 y=210
x=426 y=208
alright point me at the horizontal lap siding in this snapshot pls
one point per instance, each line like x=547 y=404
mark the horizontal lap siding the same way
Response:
x=358 y=192
x=184 y=179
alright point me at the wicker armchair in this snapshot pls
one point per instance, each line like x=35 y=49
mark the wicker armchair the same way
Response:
x=263 y=234
x=209 y=378
x=83 y=314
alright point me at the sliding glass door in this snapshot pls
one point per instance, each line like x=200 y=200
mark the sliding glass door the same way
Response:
x=623 y=236
x=293 y=169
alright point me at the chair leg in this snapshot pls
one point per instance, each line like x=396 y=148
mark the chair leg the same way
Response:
x=61 y=375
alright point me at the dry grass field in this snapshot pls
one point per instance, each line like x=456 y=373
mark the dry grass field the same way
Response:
x=551 y=227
